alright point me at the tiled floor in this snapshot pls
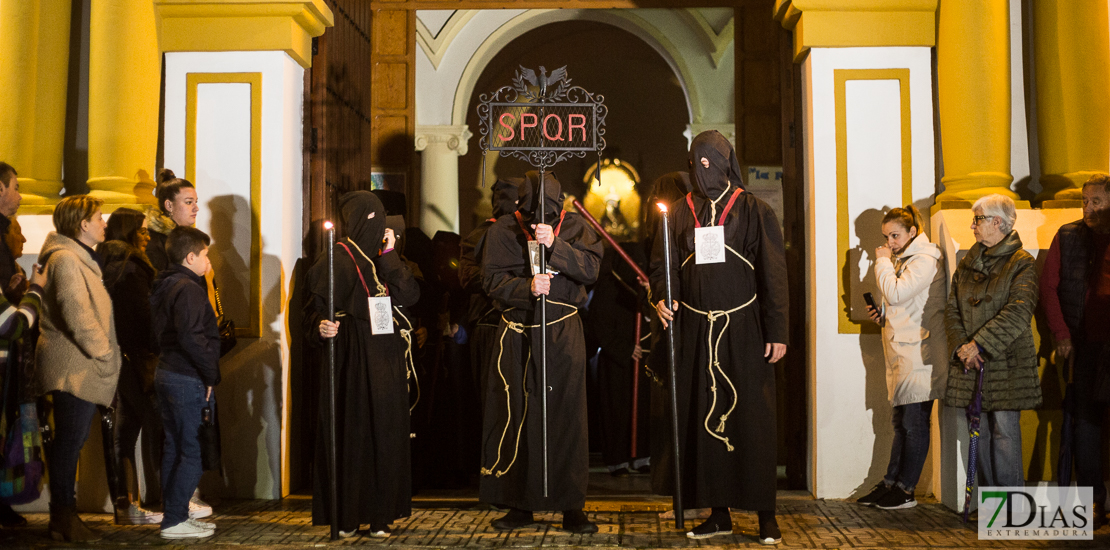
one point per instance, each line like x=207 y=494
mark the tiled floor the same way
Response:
x=462 y=522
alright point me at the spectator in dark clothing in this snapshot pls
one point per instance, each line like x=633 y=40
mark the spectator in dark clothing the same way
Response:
x=128 y=277
x=9 y=205
x=177 y=206
x=188 y=369
x=1075 y=291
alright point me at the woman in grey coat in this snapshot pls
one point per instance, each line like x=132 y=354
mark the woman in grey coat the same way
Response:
x=989 y=323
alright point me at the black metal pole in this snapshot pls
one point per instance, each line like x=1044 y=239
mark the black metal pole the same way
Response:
x=679 y=515
x=543 y=333
x=333 y=468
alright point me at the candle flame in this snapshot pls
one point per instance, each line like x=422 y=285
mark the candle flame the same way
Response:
x=662 y=207
x=328 y=225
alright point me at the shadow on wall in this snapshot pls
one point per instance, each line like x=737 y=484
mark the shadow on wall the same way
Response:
x=250 y=394
x=1043 y=442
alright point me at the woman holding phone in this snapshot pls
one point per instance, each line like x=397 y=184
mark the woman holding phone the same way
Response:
x=911 y=282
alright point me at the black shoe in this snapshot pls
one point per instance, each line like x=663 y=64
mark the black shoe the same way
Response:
x=1099 y=511
x=9 y=519
x=379 y=531
x=515 y=519
x=871 y=498
x=623 y=471
x=769 y=529
x=645 y=469
x=896 y=499
x=715 y=525
x=575 y=521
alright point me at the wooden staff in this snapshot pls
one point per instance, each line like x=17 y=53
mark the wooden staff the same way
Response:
x=597 y=227
x=333 y=467
x=636 y=388
x=679 y=519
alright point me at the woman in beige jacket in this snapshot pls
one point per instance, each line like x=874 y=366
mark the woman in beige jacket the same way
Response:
x=908 y=270
x=77 y=360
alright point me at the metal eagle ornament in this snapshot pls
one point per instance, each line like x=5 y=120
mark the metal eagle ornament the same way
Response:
x=542 y=119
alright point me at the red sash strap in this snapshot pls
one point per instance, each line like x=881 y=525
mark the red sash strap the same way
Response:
x=364 y=287
x=520 y=222
x=724 y=214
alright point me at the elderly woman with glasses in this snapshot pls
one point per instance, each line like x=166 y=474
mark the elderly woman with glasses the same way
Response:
x=989 y=323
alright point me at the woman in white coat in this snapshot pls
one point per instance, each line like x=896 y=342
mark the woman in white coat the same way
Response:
x=909 y=272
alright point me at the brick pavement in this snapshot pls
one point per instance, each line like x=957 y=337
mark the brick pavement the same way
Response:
x=464 y=523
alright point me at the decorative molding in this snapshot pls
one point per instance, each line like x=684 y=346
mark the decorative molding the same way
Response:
x=435 y=45
x=728 y=129
x=243 y=25
x=717 y=43
x=456 y=137
x=854 y=23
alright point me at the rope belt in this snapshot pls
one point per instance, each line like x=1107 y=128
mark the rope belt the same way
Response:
x=410 y=366
x=715 y=363
x=745 y=260
x=518 y=328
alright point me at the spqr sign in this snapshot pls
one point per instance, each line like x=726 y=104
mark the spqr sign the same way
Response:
x=526 y=127
x=542 y=119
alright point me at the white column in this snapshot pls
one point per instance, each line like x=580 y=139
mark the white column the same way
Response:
x=868 y=116
x=440 y=148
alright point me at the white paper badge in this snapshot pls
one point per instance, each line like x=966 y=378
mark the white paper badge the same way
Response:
x=709 y=245
x=534 y=256
x=381 y=315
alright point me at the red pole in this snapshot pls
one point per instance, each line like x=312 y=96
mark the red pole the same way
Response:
x=597 y=226
x=635 y=387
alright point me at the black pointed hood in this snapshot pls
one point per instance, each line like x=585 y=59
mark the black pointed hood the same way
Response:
x=723 y=171
x=529 y=198
x=505 y=194
x=363 y=219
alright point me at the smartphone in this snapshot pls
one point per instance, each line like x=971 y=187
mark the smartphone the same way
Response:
x=867 y=297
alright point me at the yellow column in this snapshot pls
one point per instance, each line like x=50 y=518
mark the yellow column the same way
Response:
x=1072 y=57
x=973 y=82
x=34 y=58
x=125 y=71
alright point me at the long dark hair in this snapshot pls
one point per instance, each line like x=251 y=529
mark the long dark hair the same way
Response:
x=125 y=225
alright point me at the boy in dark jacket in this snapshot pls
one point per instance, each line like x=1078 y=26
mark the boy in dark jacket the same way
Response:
x=188 y=368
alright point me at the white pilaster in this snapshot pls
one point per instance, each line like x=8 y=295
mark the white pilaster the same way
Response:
x=440 y=148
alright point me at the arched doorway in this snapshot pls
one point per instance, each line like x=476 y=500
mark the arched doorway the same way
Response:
x=647 y=105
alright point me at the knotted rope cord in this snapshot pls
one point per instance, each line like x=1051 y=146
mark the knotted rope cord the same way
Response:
x=714 y=362
x=382 y=290
x=410 y=366
x=519 y=329
x=738 y=255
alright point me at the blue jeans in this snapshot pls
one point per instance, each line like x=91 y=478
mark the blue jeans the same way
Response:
x=181 y=398
x=1000 y=460
x=911 y=444
x=72 y=419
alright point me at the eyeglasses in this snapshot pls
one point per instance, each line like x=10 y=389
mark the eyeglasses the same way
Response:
x=979 y=219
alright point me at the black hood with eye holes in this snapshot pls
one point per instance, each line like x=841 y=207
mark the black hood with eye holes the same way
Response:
x=504 y=195
x=552 y=201
x=723 y=171
x=363 y=219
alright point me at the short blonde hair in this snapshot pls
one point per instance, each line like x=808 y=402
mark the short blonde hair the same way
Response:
x=69 y=214
x=999 y=206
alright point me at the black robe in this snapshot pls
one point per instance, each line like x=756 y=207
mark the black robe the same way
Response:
x=713 y=475
x=611 y=329
x=507 y=276
x=372 y=389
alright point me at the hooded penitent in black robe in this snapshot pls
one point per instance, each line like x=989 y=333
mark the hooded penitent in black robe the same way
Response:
x=727 y=436
x=512 y=453
x=372 y=396
x=611 y=329
x=482 y=318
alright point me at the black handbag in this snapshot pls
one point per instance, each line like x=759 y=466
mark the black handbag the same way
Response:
x=226 y=326
x=209 y=436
